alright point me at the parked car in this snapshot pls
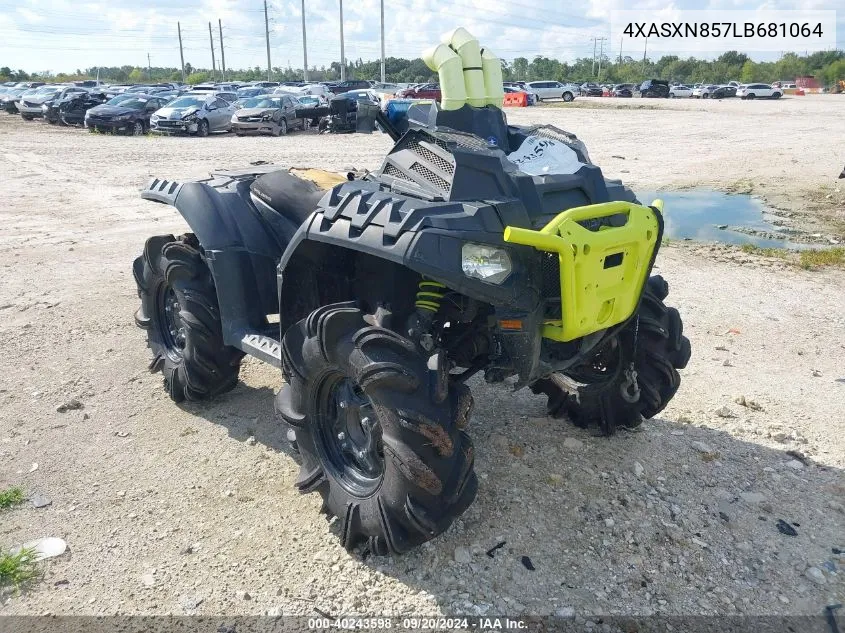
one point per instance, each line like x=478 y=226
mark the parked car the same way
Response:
x=89 y=83
x=625 y=91
x=422 y=91
x=310 y=101
x=680 y=91
x=553 y=90
x=8 y=100
x=128 y=114
x=265 y=84
x=169 y=95
x=251 y=91
x=655 y=88
x=31 y=107
x=385 y=87
x=194 y=113
x=364 y=94
x=704 y=91
x=758 y=91
x=351 y=84
x=267 y=114
x=75 y=104
x=723 y=92
x=72 y=109
x=590 y=90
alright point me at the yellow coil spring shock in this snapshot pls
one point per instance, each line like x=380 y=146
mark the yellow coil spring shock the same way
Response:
x=429 y=295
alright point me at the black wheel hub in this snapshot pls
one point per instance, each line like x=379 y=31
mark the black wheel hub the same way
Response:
x=350 y=436
x=172 y=327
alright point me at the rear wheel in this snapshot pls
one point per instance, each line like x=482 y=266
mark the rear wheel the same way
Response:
x=379 y=432
x=750 y=95
x=180 y=314
x=27 y=117
x=597 y=391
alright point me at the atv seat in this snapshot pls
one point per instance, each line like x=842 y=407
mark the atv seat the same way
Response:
x=290 y=196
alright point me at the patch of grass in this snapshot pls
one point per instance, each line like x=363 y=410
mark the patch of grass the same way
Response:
x=18 y=570
x=11 y=497
x=817 y=258
x=753 y=249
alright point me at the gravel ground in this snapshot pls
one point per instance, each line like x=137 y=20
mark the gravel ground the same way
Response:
x=191 y=509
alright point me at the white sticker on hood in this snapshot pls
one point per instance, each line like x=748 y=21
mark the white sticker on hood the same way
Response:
x=540 y=156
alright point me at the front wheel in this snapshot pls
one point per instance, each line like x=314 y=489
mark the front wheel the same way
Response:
x=776 y=95
x=202 y=128
x=379 y=431
x=180 y=313
x=283 y=127
x=137 y=129
x=598 y=392
x=27 y=117
x=567 y=97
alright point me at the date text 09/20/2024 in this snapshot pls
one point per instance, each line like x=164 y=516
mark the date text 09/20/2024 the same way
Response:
x=419 y=623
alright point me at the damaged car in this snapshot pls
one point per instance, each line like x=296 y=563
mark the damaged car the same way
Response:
x=273 y=115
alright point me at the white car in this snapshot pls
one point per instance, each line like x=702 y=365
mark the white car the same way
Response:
x=680 y=91
x=552 y=90
x=703 y=92
x=758 y=91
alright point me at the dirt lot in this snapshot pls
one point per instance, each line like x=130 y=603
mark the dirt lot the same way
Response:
x=171 y=509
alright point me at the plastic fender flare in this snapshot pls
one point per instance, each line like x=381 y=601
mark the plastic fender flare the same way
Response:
x=239 y=248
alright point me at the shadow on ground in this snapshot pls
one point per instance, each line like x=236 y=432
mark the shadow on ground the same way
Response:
x=668 y=519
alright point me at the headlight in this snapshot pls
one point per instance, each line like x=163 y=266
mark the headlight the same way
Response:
x=45 y=107
x=487 y=263
x=154 y=118
x=267 y=117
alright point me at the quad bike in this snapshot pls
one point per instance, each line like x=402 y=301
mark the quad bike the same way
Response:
x=379 y=297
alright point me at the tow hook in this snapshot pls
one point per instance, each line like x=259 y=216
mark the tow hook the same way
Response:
x=629 y=389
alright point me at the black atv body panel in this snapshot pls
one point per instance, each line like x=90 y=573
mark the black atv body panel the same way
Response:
x=243 y=220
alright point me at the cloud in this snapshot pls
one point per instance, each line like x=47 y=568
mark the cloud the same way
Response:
x=61 y=35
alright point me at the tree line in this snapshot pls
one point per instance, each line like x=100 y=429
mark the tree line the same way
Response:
x=827 y=66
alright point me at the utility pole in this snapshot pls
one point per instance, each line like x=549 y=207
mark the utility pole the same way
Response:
x=593 y=68
x=382 y=43
x=222 y=54
x=213 y=65
x=304 y=47
x=181 y=54
x=342 y=54
x=267 y=35
x=620 y=49
x=149 y=68
x=601 y=54
x=645 y=49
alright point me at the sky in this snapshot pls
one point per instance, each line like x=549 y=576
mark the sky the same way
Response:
x=63 y=35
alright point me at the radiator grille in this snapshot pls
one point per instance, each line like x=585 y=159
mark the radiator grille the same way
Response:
x=431 y=177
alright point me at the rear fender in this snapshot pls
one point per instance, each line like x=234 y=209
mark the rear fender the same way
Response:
x=241 y=246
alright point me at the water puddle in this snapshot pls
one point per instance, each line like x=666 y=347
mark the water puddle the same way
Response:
x=713 y=216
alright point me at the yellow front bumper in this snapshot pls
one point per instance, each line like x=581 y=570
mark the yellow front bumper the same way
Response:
x=602 y=273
